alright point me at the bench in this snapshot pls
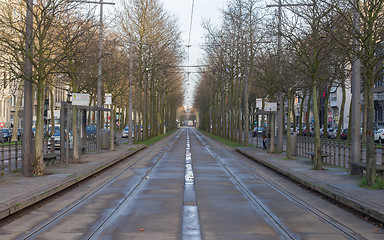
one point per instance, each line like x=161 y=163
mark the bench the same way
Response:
x=360 y=167
x=312 y=154
x=50 y=158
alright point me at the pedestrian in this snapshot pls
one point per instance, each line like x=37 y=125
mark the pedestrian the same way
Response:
x=264 y=136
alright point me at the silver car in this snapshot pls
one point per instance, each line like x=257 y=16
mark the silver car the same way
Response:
x=56 y=138
x=126 y=132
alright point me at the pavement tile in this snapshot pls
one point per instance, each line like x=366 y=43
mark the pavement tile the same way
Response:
x=19 y=191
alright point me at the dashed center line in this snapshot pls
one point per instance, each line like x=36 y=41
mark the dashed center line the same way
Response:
x=191 y=224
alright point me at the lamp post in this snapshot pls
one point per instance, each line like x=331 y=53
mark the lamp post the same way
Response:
x=28 y=157
x=99 y=72
x=280 y=102
x=130 y=106
x=355 y=114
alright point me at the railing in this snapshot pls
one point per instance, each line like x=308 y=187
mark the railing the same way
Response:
x=339 y=151
x=11 y=156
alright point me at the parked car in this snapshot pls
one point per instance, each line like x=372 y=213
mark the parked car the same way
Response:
x=47 y=129
x=334 y=134
x=258 y=131
x=379 y=135
x=344 y=134
x=56 y=137
x=329 y=132
x=7 y=134
x=311 y=131
x=126 y=132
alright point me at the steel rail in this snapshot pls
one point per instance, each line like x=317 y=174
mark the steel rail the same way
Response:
x=341 y=228
x=43 y=226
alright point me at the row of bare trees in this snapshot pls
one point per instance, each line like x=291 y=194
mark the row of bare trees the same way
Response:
x=141 y=49
x=320 y=40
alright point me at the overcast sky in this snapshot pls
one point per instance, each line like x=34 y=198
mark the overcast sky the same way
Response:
x=203 y=10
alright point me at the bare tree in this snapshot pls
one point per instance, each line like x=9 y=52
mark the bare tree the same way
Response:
x=155 y=39
x=367 y=29
x=311 y=40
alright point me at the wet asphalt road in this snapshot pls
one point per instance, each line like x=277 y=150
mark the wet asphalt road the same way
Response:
x=188 y=187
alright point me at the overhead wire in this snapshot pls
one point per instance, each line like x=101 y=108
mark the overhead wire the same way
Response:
x=189 y=37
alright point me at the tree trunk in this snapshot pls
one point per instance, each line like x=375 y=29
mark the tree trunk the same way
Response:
x=38 y=168
x=112 y=129
x=272 y=134
x=301 y=115
x=325 y=118
x=341 y=114
x=18 y=105
x=75 y=134
x=371 y=156
x=289 y=153
x=246 y=109
x=317 y=158
x=52 y=111
x=307 y=120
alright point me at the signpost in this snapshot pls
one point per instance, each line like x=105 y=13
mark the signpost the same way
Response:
x=270 y=106
x=108 y=98
x=80 y=99
x=259 y=103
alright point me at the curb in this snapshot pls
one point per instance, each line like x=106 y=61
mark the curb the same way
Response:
x=323 y=189
x=27 y=200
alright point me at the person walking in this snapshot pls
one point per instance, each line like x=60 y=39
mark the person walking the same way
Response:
x=264 y=136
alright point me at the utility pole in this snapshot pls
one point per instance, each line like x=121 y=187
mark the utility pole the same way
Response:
x=246 y=96
x=356 y=80
x=28 y=156
x=130 y=140
x=99 y=72
x=280 y=102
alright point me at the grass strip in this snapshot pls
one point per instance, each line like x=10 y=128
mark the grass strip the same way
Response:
x=222 y=140
x=157 y=138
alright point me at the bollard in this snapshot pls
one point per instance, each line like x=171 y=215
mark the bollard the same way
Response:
x=294 y=144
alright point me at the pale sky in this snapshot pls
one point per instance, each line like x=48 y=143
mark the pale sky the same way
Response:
x=203 y=10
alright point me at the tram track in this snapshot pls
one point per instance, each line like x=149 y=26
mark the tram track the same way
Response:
x=273 y=219
x=72 y=207
x=270 y=217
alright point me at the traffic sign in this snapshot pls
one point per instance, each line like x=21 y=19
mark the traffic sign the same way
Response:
x=108 y=98
x=270 y=106
x=80 y=99
x=1 y=124
x=259 y=103
x=330 y=119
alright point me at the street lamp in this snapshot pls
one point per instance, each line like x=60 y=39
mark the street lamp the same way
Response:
x=28 y=92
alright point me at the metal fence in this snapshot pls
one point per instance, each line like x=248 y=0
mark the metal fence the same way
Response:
x=338 y=151
x=11 y=156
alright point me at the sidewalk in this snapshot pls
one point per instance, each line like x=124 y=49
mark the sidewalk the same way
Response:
x=334 y=182
x=18 y=192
